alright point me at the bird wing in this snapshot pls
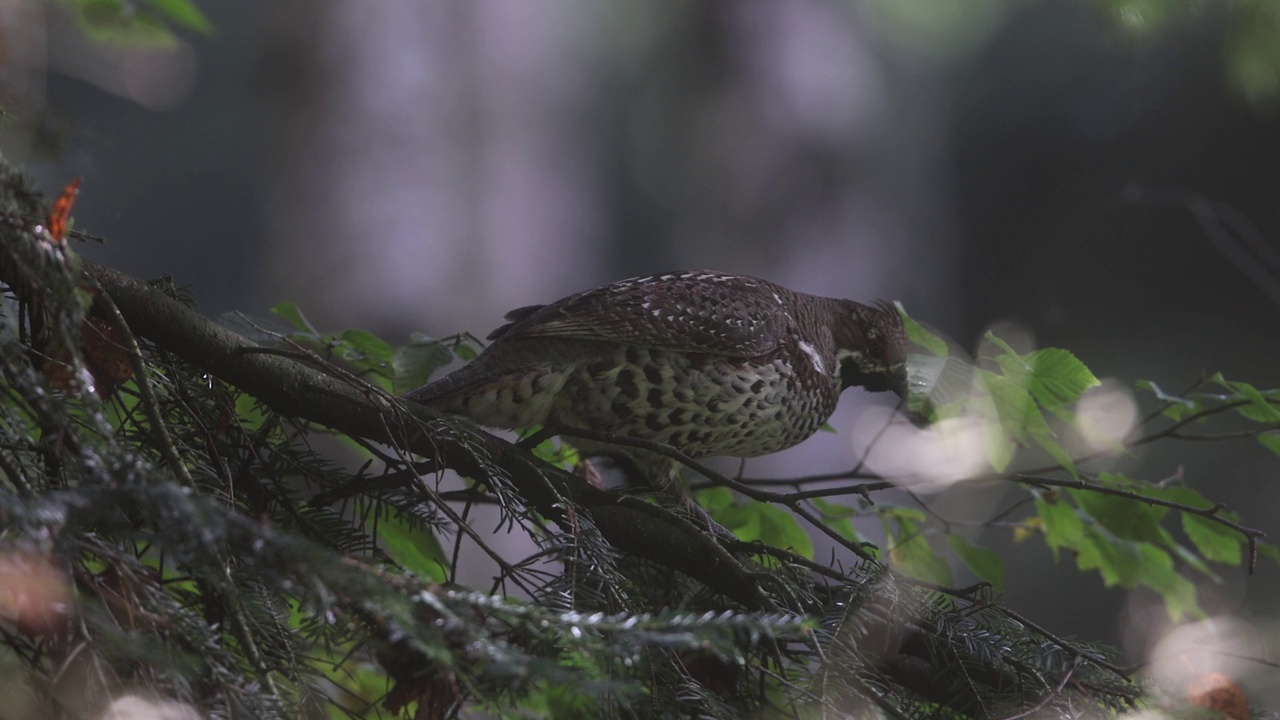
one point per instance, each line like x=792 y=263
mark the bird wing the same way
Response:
x=693 y=311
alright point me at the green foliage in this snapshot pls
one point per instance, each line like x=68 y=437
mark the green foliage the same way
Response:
x=220 y=558
x=907 y=546
x=139 y=24
x=394 y=369
x=754 y=521
x=1122 y=528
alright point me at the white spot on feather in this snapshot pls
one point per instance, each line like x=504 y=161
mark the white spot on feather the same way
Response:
x=812 y=352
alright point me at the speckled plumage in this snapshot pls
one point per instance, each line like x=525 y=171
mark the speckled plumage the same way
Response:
x=708 y=363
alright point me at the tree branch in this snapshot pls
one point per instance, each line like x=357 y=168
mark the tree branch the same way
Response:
x=292 y=388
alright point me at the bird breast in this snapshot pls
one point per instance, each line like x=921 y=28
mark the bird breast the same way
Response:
x=703 y=405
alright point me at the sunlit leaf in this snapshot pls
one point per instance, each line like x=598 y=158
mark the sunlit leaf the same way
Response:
x=1258 y=408
x=917 y=334
x=1053 y=376
x=1215 y=541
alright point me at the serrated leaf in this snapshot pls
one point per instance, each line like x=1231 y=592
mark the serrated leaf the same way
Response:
x=293 y=315
x=1215 y=541
x=985 y=564
x=917 y=334
x=1053 y=376
x=413 y=364
x=1258 y=408
x=1014 y=407
x=1126 y=519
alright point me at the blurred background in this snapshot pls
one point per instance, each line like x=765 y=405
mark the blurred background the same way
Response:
x=1102 y=176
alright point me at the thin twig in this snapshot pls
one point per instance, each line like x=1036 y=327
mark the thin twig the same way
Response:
x=149 y=404
x=1055 y=692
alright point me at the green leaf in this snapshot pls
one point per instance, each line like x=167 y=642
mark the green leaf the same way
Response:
x=985 y=564
x=1258 y=408
x=413 y=364
x=756 y=521
x=556 y=453
x=183 y=14
x=826 y=427
x=1215 y=541
x=111 y=22
x=1125 y=518
x=917 y=334
x=1270 y=441
x=1053 y=376
x=935 y=382
x=1119 y=562
x=1063 y=528
x=294 y=317
x=908 y=549
x=715 y=500
x=1266 y=549
x=1020 y=419
x=1157 y=571
x=464 y=351
x=413 y=547
x=368 y=349
x=838 y=517
x=1008 y=410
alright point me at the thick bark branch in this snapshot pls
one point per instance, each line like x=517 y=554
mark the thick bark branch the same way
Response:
x=292 y=388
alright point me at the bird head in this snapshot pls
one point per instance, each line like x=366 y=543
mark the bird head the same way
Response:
x=873 y=349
